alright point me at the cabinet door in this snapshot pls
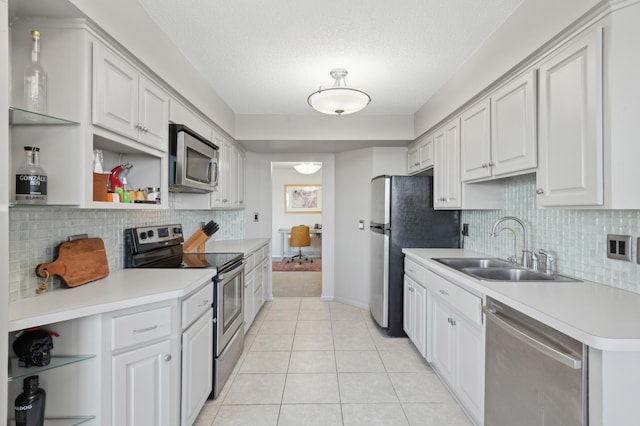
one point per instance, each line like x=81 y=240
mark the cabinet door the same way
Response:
x=153 y=115
x=513 y=126
x=413 y=159
x=439 y=169
x=425 y=153
x=570 y=170
x=407 y=307
x=221 y=196
x=249 y=286
x=197 y=367
x=115 y=93
x=233 y=176
x=452 y=185
x=475 y=142
x=142 y=386
x=442 y=340
x=240 y=178
x=469 y=366
x=420 y=318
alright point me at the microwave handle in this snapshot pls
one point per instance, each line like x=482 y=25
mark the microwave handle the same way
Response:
x=215 y=171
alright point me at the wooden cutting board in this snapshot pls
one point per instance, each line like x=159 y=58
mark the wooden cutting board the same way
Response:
x=78 y=262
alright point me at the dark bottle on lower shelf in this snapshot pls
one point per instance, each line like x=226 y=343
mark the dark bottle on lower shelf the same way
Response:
x=29 y=406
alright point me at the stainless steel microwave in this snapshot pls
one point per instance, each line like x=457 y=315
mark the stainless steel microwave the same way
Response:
x=193 y=161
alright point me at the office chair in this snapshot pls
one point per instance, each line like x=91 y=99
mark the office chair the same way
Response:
x=299 y=238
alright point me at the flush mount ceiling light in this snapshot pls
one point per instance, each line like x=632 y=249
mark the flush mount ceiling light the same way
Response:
x=307 y=168
x=339 y=99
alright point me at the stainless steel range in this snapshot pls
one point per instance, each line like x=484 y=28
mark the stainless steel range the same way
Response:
x=161 y=247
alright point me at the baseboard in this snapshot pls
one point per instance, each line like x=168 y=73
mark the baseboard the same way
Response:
x=351 y=302
x=326 y=298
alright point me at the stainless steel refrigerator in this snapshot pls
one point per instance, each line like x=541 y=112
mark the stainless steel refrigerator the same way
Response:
x=402 y=216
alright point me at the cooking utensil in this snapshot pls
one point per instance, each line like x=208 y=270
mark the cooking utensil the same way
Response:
x=78 y=262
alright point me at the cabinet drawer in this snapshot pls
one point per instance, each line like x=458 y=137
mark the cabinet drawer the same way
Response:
x=133 y=329
x=249 y=262
x=196 y=304
x=415 y=271
x=463 y=301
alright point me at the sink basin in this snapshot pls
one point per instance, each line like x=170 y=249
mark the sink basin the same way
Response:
x=508 y=274
x=494 y=269
x=461 y=263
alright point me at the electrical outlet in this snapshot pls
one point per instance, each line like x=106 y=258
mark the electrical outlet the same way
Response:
x=619 y=247
x=465 y=229
x=255 y=217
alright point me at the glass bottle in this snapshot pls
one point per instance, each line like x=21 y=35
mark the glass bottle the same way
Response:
x=31 y=179
x=29 y=405
x=35 y=79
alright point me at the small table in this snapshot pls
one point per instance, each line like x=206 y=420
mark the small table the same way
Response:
x=286 y=232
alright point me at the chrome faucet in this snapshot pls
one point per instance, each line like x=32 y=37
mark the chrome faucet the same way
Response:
x=526 y=261
x=549 y=262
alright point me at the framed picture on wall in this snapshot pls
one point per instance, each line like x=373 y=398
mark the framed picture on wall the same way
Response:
x=302 y=198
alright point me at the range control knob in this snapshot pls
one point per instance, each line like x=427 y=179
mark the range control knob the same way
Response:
x=143 y=235
x=150 y=233
x=177 y=230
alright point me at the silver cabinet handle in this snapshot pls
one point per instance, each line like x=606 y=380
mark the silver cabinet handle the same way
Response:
x=167 y=358
x=145 y=129
x=484 y=165
x=490 y=164
x=138 y=126
x=444 y=293
x=204 y=303
x=144 y=330
x=539 y=191
x=561 y=357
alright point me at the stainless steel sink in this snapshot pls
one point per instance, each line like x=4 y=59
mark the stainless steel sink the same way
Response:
x=461 y=262
x=494 y=269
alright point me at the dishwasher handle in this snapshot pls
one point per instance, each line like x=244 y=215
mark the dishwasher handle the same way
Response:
x=561 y=357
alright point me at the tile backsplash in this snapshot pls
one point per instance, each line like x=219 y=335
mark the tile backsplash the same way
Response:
x=576 y=237
x=35 y=232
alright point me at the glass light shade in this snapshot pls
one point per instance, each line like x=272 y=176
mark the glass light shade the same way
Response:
x=307 y=168
x=338 y=100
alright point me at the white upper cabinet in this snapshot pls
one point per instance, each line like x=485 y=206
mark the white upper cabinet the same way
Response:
x=570 y=172
x=446 y=176
x=126 y=102
x=420 y=155
x=498 y=134
x=513 y=127
x=475 y=141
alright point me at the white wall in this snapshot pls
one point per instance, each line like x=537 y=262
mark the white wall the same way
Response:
x=4 y=203
x=534 y=23
x=259 y=200
x=354 y=170
x=282 y=220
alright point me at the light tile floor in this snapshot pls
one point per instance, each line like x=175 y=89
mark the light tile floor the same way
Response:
x=308 y=362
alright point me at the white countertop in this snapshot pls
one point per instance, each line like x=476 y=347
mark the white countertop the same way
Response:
x=598 y=315
x=247 y=246
x=122 y=289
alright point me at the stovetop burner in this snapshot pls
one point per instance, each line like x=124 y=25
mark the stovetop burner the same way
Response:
x=161 y=247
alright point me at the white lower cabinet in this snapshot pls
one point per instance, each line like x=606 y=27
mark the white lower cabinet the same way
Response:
x=415 y=314
x=197 y=352
x=197 y=367
x=444 y=322
x=145 y=365
x=257 y=271
x=142 y=386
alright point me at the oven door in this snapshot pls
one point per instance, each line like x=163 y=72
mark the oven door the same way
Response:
x=229 y=306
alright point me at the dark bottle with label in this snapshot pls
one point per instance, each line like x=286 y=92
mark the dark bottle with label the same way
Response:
x=29 y=406
x=31 y=179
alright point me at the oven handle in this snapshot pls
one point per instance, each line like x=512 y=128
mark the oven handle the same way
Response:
x=561 y=357
x=221 y=277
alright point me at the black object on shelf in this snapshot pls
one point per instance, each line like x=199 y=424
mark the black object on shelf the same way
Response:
x=29 y=405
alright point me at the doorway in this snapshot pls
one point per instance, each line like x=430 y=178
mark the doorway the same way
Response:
x=296 y=200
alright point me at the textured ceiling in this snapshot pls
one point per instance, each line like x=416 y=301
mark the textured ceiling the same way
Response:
x=266 y=57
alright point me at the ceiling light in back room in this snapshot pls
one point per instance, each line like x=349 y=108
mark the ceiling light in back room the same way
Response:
x=339 y=99
x=307 y=168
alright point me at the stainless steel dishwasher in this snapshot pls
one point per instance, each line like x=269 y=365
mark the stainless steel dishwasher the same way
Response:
x=534 y=375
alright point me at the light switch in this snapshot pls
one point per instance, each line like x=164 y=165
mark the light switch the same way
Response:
x=255 y=217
